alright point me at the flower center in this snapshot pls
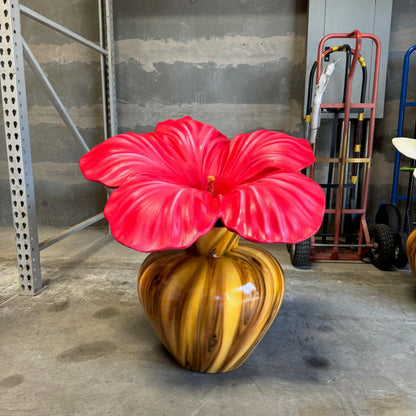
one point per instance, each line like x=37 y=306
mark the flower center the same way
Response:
x=210 y=184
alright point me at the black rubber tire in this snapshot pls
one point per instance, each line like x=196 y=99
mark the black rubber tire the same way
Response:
x=384 y=247
x=389 y=214
x=400 y=256
x=300 y=253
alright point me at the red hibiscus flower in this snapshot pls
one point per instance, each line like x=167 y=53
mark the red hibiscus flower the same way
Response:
x=174 y=184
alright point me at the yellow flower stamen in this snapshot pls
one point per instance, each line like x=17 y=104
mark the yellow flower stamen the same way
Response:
x=210 y=184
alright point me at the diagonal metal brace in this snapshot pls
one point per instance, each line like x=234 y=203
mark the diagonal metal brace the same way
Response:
x=59 y=28
x=42 y=78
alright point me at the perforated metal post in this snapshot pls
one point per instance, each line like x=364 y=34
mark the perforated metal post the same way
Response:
x=12 y=81
x=110 y=69
x=16 y=128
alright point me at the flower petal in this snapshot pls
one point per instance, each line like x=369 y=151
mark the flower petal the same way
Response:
x=153 y=215
x=183 y=151
x=252 y=155
x=120 y=157
x=199 y=148
x=284 y=207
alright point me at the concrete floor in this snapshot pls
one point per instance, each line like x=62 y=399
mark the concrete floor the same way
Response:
x=343 y=343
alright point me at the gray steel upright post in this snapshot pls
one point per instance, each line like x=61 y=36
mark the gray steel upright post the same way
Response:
x=110 y=61
x=16 y=128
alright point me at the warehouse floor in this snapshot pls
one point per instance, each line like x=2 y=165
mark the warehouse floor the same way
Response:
x=343 y=343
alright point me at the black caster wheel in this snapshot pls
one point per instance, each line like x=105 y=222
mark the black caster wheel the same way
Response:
x=300 y=253
x=384 y=246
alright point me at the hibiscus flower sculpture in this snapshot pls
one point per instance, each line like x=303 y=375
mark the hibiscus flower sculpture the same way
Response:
x=173 y=185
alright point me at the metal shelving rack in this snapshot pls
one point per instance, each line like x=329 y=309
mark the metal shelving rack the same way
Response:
x=13 y=51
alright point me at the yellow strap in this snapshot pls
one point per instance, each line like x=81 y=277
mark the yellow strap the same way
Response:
x=335 y=48
x=360 y=116
x=361 y=60
x=354 y=180
x=357 y=148
x=307 y=118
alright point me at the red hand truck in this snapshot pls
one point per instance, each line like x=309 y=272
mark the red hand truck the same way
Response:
x=378 y=241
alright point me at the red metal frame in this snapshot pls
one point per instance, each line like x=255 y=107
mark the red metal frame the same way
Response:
x=335 y=250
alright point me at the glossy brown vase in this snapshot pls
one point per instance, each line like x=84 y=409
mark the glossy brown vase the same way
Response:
x=411 y=251
x=212 y=303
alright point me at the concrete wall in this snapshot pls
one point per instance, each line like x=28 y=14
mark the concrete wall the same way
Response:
x=236 y=64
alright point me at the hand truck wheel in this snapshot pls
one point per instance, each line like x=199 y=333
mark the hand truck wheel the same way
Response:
x=400 y=256
x=384 y=247
x=300 y=253
x=389 y=214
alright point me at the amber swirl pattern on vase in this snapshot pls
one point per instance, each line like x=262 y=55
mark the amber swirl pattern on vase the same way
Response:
x=411 y=251
x=212 y=303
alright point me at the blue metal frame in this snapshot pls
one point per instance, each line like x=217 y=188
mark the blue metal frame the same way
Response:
x=402 y=108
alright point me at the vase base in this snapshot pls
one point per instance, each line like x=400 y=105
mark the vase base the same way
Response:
x=210 y=311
